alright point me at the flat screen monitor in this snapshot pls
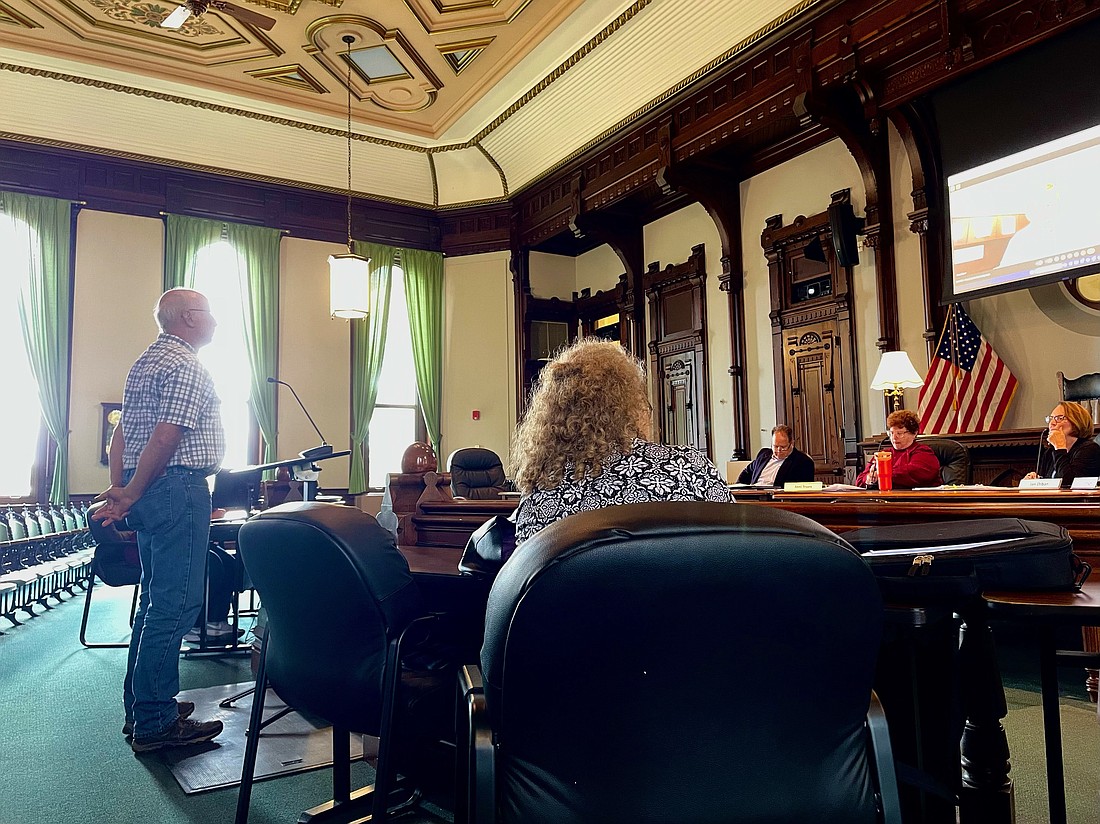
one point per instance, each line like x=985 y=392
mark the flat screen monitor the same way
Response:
x=1027 y=218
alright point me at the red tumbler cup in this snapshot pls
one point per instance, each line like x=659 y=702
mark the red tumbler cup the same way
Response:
x=884 y=466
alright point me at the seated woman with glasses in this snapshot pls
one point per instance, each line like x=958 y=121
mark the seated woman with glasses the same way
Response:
x=913 y=463
x=1069 y=450
x=584 y=442
x=781 y=464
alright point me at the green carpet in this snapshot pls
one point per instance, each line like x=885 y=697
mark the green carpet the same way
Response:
x=64 y=757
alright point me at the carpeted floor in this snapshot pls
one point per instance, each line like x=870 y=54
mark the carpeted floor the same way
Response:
x=65 y=757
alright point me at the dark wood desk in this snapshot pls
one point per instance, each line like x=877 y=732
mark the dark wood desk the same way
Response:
x=1078 y=512
x=1050 y=610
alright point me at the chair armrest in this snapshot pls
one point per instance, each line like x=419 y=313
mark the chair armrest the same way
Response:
x=883 y=759
x=476 y=779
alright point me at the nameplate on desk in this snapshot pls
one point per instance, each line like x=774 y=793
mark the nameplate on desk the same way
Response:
x=1089 y=482
x=803 y=486
x=1040 y=483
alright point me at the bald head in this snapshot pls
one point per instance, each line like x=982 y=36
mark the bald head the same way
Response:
x=185 y=313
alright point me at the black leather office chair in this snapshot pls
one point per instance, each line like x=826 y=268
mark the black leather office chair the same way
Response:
x=681 y=662
x=1085 y=390
x=954 y=459
x=115 y=563
x=476 y=473
x=341 y=661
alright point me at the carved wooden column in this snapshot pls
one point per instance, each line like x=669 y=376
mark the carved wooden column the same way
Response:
x=717 y=188
x=624 y=235
x=927 y=218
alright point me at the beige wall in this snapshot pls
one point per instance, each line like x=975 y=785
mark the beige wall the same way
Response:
x=314 y=357
x=117 y=282
x=479 y=355
x=599 y=269
x=552 y=276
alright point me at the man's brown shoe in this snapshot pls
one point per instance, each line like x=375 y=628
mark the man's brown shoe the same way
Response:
x=185 y=710
x=183 y=733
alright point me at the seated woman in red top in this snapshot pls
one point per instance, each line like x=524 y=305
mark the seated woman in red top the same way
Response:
x=914 y=464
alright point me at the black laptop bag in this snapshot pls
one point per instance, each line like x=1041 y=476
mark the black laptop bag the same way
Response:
x=959 y=559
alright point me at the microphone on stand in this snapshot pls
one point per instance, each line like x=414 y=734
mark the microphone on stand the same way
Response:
x=1042 y=443
x=317 y=452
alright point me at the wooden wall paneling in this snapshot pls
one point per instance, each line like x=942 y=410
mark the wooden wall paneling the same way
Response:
x=147 y=189
x=623 y=233
x=476 y=229
x=927 y=220
x=36 y=171
x=678 y=357
x=813 y=342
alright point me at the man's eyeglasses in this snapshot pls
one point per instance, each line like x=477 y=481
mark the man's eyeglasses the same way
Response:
x=1055 y=418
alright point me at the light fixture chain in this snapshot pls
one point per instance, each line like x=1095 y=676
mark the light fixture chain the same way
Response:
x=348 y=39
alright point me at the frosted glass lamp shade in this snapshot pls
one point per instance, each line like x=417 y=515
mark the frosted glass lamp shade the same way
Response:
x=349 y=286
x=895 y=371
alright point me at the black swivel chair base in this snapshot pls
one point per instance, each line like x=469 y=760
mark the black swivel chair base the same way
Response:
x=359 y=807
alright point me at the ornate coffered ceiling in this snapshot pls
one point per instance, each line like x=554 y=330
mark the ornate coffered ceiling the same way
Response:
x=454 y=101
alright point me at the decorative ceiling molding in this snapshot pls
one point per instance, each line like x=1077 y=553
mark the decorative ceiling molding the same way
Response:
x=294 y=76
x=415 y=92
x=453 y=15
x=15 y=18
x=461 y=55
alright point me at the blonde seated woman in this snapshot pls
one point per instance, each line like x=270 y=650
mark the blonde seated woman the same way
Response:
x=1070 y=451
x=584 y=442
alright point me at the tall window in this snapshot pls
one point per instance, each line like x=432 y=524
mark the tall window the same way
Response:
x=219 y=275
x=396 y=422
x=20 y=412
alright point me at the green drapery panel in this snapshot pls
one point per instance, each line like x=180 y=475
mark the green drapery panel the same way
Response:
x=368 y=346
x=183 y=238
x=424 y=293
x=44 y=307
x=258 y=247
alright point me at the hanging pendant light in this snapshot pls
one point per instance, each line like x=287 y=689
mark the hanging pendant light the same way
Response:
x=349 y=274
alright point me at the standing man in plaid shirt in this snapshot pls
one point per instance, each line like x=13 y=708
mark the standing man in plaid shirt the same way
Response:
x=169 y=440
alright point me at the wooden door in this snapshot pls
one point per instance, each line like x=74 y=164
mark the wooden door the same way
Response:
x=813 y=384
x=681 y=391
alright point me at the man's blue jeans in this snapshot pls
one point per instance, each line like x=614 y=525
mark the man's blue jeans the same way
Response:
x=172 y=520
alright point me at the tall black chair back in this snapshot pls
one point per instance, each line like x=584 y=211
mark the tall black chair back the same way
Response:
x=683 y=662
x=116 y=563
x=338 y=597
x=954 y=459
x=476 y=473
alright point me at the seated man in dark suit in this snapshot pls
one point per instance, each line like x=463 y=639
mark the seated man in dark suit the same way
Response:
x=779 y=465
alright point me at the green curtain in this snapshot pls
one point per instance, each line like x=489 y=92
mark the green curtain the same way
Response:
x=368 y=346
x=183 y=237
x=44 y=313
x=258 y=246
x=424 y=294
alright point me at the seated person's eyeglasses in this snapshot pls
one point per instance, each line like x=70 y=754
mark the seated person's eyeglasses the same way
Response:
x=1055 y=418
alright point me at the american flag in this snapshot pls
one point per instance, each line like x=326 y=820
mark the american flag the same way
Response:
x=968 y=388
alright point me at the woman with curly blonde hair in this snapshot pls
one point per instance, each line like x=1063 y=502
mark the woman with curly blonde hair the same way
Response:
x=583 y=443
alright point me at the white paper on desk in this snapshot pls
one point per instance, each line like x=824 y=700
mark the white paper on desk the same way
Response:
x=956 y=487
x=844 y=488
x=879 y=553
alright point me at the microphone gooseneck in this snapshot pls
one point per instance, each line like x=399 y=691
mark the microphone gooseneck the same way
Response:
x=310 y=417
x=1039 y=457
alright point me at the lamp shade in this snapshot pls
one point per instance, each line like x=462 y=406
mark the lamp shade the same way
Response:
x=895 y=371
x=349 y=286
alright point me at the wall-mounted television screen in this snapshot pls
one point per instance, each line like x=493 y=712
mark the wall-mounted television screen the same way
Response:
x=1028 y=218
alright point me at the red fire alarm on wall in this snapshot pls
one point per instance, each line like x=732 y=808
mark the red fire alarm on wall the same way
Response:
x=476 y=415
